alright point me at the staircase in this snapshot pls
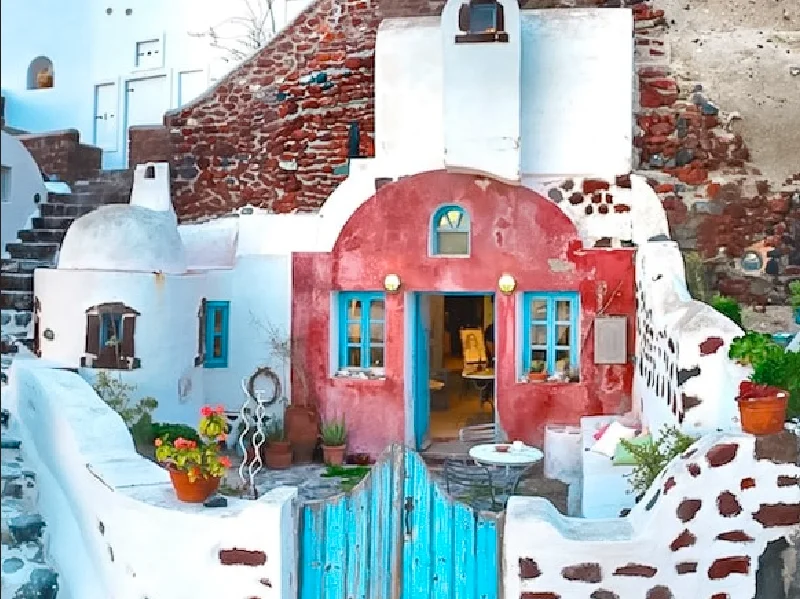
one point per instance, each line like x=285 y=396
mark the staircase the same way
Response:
x=38 y=247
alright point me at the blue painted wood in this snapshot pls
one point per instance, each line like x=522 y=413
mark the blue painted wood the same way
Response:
x=551 y=299
x=212 y=310
x=363 y=321
x=421 y=370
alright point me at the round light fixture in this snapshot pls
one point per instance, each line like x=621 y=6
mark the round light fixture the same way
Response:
x=391 y=283
x=507 y=283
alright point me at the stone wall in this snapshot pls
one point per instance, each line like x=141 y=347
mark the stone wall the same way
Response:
x=61 y=154
x=148 y=144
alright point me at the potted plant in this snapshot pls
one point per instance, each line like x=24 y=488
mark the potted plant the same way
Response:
x=537 y=372
x=278 y=453
x=794 y=299
x=773 y=390
x=196 y=467
x=334 y=440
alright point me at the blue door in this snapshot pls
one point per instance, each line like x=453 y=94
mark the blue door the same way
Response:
x=421 y=370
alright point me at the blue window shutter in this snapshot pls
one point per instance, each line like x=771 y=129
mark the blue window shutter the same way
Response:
x=550 y=299
x=366 y=298
x=212 y=310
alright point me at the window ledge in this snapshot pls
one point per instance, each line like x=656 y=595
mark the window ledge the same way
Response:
x=482 y=38
x=359 y=375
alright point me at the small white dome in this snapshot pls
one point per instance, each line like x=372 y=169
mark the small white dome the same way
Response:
x=124 y=237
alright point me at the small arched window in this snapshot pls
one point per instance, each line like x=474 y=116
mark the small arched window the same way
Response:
x=450 y=235
x=40 y=73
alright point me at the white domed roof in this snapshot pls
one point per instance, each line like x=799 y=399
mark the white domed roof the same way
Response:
x=124 y=237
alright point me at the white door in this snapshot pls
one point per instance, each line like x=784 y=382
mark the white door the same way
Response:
x=190 y=85
x=146 y=101
x=105 y=117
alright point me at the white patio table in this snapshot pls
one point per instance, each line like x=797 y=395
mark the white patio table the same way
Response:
x=515 y=456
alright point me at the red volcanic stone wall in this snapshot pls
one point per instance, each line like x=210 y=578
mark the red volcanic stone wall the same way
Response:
x=62 y=154
x=148 y=144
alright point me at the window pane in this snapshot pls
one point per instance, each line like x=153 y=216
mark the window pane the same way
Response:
x=539 y=309
x=376 y=356
x=217 y=351
x=354 y=309
x=562 y=310
x=482 y=17
x=376 y=310
x=562 y=360
x=453 y=243
x=353 y=356
x=538 y=355
x=562 y=334
x=538 y=334
x=217 y=321
x=354 y=333
x=376 y=333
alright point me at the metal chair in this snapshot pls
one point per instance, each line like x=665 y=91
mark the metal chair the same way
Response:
x=470 y=483
x=478 y=433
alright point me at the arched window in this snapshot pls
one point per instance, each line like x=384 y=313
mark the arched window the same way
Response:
x=110 y=335
x=450 y=232
x=40 y=73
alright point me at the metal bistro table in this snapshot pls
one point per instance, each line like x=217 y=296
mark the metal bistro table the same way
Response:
x=515 y=457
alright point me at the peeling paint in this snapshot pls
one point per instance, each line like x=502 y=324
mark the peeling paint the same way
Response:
x=558 y=265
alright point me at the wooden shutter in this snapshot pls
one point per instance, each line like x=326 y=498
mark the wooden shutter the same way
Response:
x=93 y=334
x=500 y=20
x=463 y=18
x=128 y=331
x=201 y=331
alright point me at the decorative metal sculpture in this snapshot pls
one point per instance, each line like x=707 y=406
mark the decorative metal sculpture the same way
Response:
x=249 y=468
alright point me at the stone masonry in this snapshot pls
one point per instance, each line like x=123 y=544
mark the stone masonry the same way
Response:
x=61 y=154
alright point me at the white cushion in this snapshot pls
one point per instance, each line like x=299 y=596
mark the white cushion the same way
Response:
x=607 y=444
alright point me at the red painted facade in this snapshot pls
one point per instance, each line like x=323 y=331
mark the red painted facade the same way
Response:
x=514 y=230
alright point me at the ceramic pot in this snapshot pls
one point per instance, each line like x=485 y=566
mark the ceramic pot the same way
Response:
x=333 y=454
x=763 y=415
x=278 y=455
x=193 y=492
x=537 y=377
x=302 y=431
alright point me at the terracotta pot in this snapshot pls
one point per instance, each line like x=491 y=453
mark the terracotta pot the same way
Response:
x=302 y=430
x=537 y=377
x=193 y=492
x=763 y=415
x=278 y=455
x=333 y=454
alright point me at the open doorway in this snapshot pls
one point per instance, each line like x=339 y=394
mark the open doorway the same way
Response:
x=453 y=364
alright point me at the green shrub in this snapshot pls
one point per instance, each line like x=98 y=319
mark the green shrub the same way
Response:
x=162 y=430
x=794 y=294
x=138 y=416
x=727 y=306
x=781 y=369
x=753 y=348
x=334 y=433
x=651 y=458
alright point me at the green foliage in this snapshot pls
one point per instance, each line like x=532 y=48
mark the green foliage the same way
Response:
x=143 y=432
x=651 y=458
x=781 y=369
x=274 y=431
x=794 y=294
x=350 y=475
x=753 y=348
x=727 y=306
x=334 y=433
x=118 y=397
x=197 y=458
x=162 y=430
x=537 y=366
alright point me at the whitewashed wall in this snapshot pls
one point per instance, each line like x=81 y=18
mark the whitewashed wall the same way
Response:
x=24 y=181
x=115 y=528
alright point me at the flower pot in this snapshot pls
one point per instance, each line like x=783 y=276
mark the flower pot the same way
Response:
x=333 y=454
x=301 y=424
x=763 y=415
x=193 y=492
x=537 y=377
x=278 y=455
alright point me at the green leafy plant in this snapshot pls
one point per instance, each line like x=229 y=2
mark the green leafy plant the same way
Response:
x=198 y=459
x=334 y=433
x=537 y=366
x=137 y=416
x=728 y=307
x=794 y=294
x=652 y=457
x=275 y=431
x=753 y=348
x=163 y=430
x=350 y=475
x=781 y=369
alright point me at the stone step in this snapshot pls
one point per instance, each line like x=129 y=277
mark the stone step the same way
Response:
x=73 y=210
x=52 y=222
x=89 y=198
x=26 y=266
x=16 y=300
x=32 y=251
x=15 y=281
x=41 y=235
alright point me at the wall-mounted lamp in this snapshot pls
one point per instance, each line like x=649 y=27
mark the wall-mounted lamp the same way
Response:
x=49 y=334
x=507 y=284
x=391 y=283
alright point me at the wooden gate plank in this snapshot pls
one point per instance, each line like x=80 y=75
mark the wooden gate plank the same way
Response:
x=397 y=476
x=442 y=514
x=418 y=569
x=335 y=554
x=464 y=548
x=378 y=556
x=311 y=551
x=358 y=543
x=487 y=572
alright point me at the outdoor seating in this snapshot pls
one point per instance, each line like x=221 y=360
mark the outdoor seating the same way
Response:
x=470 y=483
x=479 y=433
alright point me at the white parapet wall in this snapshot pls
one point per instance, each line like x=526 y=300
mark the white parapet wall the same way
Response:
x=698 y=531
x=114 y=527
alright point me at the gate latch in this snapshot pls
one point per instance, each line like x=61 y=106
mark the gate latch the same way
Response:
x=408 y=508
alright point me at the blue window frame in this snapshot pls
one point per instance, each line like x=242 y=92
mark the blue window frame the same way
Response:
x=450 y=231
x=362 y=329
x=217 y=314
x=110 y=328
x=550 y=335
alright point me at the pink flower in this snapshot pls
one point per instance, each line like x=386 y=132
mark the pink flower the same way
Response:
x=220 y=409
x=205 y=411
x=158 y=442
x=225 y=461
x=222 y=437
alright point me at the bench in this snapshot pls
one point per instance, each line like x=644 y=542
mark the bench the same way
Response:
x=606 y=491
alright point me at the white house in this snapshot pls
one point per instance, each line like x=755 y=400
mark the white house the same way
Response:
x=102 y=67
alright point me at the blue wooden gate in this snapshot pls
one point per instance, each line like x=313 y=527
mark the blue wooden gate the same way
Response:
x=398 y=536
